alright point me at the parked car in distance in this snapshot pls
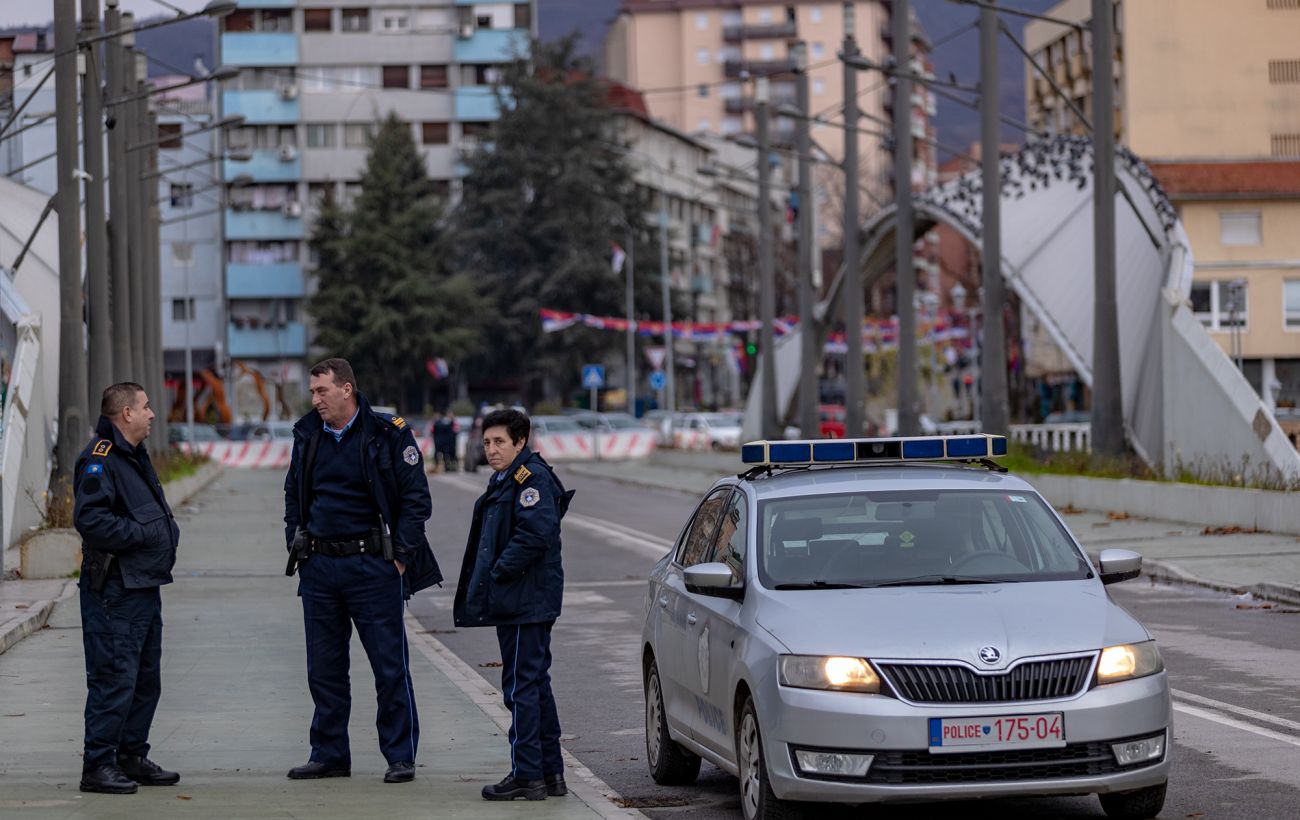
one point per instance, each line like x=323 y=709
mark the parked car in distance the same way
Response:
x=608 y=422
x=179 y=432
x=270 y=431
x=661 y=422
x=721 y=429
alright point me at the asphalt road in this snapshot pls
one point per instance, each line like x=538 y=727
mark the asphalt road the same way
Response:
x=1233 y=667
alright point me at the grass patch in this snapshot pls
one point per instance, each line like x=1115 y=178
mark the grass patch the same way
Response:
x=1025 y=458
x=176 y=464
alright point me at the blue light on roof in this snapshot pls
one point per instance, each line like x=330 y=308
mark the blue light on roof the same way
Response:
x=969 y=447
x=831 y=452
x=999 y=446
x=789 y=452
x=754 y=453
x=923 y=448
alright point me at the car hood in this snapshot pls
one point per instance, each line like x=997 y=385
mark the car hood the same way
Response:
x=949 y=622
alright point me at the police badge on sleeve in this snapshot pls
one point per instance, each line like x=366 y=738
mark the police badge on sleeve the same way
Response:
x=529 y=497
x=411 y=455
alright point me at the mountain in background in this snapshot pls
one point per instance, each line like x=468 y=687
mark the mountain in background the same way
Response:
x=173 y=48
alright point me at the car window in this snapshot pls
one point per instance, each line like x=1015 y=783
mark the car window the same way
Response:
x=729 y=546
x=697 y=542
x=881 y=537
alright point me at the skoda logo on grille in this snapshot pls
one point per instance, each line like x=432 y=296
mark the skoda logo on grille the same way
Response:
x=990 y=654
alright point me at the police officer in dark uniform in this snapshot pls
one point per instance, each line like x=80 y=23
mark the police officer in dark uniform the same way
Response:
x=511 y=578
x=356 y=501
x=129 y=540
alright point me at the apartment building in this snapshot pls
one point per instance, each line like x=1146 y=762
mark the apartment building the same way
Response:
x=1208 y=94
x=316 y=76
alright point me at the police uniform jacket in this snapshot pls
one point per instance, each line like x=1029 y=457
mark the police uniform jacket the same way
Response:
x=395 y=477
x=120 y=509
x=511 y=573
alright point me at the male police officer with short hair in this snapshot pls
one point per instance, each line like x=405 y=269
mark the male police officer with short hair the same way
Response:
x=129 y=540
x=511 y=578
x=355 y=503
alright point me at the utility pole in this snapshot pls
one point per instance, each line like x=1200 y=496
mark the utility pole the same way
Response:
x=73 y=426
x=631 y=328
x=994 y=410
x=153 y=294
x=135 y=218
x=666 y=287
x=92 y=147
x=809 y=423
x=854 y=378
x=1107 y=406
x=766 y=267
x=118 y=205
x=908 y=423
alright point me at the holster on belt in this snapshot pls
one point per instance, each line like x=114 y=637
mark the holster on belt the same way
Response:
x=299 y=551
x=98 y=566
x=384 y=539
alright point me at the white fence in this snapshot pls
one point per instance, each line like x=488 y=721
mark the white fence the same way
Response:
x=1059 y=438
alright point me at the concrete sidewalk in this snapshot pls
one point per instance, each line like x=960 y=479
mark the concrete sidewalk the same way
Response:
x=1266 y=565
x=235 y=711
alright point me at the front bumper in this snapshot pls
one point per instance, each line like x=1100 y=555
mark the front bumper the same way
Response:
x=896 y=733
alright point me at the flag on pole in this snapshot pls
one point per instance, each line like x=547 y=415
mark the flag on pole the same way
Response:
x=618 y=258
x=437 y=368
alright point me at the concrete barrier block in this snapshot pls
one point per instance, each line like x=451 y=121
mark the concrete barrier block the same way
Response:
x=53 y=553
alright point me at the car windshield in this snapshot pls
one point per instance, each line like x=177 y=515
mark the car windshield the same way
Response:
x=557 y=424
x=721 y=419
x=896 y=538
x=622 y=423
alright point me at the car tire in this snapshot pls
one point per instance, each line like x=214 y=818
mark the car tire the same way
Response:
x=757 y=800
x=670 y=763
x=1135 y=805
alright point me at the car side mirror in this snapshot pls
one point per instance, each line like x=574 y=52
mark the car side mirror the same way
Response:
x=1119 y=565
x=715 y=579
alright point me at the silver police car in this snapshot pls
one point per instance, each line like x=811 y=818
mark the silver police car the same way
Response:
x=870 y=620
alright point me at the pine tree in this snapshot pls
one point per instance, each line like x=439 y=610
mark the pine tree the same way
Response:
x=385 y=301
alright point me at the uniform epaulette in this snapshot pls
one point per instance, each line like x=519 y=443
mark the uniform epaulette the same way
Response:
x=396 y=421
x=523 y=474
x=102 y=447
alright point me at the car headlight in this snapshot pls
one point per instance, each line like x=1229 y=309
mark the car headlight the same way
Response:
x=834 y=673
x=1128 y=661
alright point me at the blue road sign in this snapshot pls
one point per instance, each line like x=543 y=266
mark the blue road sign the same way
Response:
x=657 y=380
x=593 y=376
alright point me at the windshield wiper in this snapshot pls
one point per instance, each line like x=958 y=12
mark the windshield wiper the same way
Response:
x=941 y=580
x=821 y=585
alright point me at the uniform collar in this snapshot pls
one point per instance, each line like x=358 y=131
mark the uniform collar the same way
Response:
x=338 y=434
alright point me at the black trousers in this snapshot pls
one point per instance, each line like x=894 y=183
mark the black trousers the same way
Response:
x=121 y=631
x=364 y=590
x=526 y=689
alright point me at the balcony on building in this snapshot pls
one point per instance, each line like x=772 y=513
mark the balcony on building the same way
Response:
x=757 y=68
x=490 y=46
x=738 y=105
x=255 y=225
x=263 y=107
x=761 y=31
x=259 y=48
x=289 y=340
x=275 y=281
x=475 y=103
x=281 y=164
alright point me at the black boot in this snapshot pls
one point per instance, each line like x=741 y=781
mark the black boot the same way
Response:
x=400 y=772
x=106 y=779
x=511 y=788
x=555 y=786
x=145 y=772
x=314 y=770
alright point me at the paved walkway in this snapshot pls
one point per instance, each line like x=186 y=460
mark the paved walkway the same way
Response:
x=1267 y=565
x=235 y=710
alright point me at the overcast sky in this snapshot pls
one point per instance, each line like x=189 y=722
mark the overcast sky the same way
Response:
x=21 y=12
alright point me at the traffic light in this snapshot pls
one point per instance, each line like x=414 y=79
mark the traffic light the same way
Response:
x=751 y=349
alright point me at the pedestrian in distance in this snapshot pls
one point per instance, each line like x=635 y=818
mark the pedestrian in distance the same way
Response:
x=445 y=429
x=511 y=578
x=355 y=505
x=128 y=549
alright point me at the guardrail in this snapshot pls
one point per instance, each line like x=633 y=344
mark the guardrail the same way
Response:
x=1059 y=438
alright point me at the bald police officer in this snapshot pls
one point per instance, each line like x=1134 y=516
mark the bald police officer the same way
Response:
x=129 y=540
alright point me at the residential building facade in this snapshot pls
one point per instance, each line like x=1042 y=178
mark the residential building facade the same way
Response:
x=316 y=76
x=1208 y=94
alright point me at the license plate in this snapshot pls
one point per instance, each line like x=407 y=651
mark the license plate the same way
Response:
x=973 y=734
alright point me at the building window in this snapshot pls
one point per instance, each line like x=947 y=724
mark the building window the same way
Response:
x=1284 y=71
x=183 y=310
x=276 y=21
x=182 y=195
x=317 y=20
x=475 y=130
x=767 y=52
x=702 y=56
x=487 y=75
x=238 y=21
x=433 y=19
x=1286 y=145
x=397 y=76
x=357 y=134
x=433 y=133
x=702 y=22
x=393 y=21
x=819 y=87
x=356 y=20
x=321 y=135
x=815 y=14
x=170 y=135
x=182 y=252
x=703 y=90
x=1239 y=228
x=433 y=76
x=317 y=192
x=1284 y=4
x=703 y=125
x=764 y=15
x=818 y=50
x=1222 y=304
x=317 y=78
x=1291 y=303
x=732 y=125
x=523 y=16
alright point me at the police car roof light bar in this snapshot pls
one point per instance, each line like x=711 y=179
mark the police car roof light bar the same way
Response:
x=843 y=451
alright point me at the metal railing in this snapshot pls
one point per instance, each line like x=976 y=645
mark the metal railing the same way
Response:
x=1058 y=438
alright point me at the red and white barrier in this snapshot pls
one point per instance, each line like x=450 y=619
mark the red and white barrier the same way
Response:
x=691 y=440
x=274 y=454
x=581 y=447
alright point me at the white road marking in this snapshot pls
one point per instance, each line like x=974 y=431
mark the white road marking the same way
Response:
x=1236 y=710
x=1206 y=714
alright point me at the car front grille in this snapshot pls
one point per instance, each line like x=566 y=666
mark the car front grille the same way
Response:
x=1073 y=760
x=951 y=683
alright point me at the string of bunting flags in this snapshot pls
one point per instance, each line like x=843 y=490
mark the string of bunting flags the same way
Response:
x=877 y=334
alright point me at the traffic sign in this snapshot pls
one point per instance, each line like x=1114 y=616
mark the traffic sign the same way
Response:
x=657 y=380
x=593 y=376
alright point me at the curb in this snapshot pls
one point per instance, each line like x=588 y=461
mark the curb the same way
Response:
x=632 y=481
x=583 y=783
x=17 y=628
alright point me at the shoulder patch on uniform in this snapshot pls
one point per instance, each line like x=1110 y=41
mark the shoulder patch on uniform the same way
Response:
x=529 y=497
x=411 y=455
x=94 y=468
x=102 y=447
x=523 y=474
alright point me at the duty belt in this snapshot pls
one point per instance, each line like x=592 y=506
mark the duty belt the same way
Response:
x=354 y=546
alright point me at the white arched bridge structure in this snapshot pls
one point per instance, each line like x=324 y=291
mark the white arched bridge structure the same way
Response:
x=1184 y=403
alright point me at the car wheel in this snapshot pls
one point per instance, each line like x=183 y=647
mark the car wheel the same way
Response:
x=757 y=801
x=1134 y=805
x=670 y=763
